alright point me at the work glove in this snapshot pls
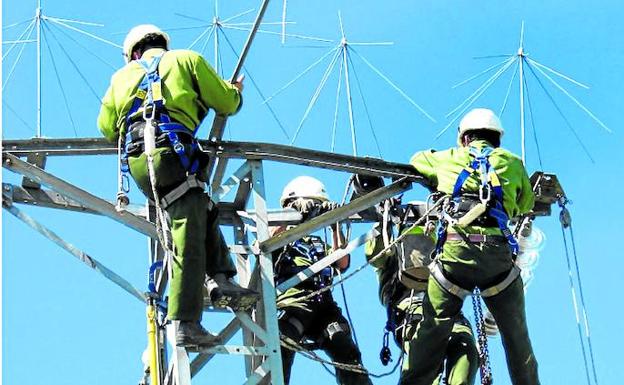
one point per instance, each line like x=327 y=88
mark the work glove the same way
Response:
x=489 y=324
x=303 y=205
x=310 y=208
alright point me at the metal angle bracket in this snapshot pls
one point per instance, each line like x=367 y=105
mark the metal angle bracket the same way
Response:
x=39 y=160
x=547 y=190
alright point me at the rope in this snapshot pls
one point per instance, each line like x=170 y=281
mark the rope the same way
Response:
x=291 y=345
x=566 y=222
x=373 y=259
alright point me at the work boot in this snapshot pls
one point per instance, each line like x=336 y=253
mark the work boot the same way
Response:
x=224 y=292
x=192 y=334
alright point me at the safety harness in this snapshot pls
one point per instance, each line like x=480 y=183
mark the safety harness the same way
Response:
x=299 y=255
x=490 y=204
x=149 y=96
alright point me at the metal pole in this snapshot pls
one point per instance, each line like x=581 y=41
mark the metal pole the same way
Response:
x=521 y=79
x=267 y=285
x=349 y=101
x=38 y=19
x=216 y=132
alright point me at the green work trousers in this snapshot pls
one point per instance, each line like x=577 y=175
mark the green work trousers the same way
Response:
x=461 y=359
x=472 y=265
x=199 y=247
x=314 y=324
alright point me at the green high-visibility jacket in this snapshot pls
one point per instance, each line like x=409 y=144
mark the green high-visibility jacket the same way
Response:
x=190 y=87
x=442 y=168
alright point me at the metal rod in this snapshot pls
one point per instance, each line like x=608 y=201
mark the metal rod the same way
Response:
x=335 y=122
x=284 y=7
x=474 y=96
x=237 y=15
x=551 y=70
x=327 y=261
x=490 y=68
x=396 y=88
x=103 y=207
x=334 y=216
x=218 y=124
x=522 y=128
x=75 y=21
x=484 y=84
x=225 y=149
x=225 y=335
x=511 y=81
x=265 y=261
x=26 y=30
x=521 y=79
x=73 y=250
x=565 y=119
x=85 y=33
x=579 y=104
x=349 y=100
x=38 y=19
x=315 y=96
x=17 y=59
x=302 y=37
x=305 y=71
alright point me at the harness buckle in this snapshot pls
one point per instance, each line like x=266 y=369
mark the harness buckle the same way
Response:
x=149 y=112
x=482 y=196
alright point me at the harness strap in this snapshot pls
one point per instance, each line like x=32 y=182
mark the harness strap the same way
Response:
x=437 y=273
x=177 y=193
x=504 y=284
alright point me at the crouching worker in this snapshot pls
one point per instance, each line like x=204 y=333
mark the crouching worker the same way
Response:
x=155 y=104
x=403 y=274
x=317 y=319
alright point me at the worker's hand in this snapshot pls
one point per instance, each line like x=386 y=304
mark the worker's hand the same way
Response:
x=304 y=206
x=239 y=83
x=491 y=329
x=328 y=206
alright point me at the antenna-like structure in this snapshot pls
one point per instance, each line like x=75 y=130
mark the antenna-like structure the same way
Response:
x=341 y=53
x=216 y=30
x=522 y=62
x=42 y=26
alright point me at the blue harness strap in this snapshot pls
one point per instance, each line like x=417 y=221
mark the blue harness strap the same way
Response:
x=149 y=93
x=490 y=188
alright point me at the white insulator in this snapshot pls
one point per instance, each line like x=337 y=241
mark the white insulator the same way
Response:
x=528 y=258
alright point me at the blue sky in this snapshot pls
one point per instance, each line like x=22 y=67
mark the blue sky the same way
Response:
x=63 y=324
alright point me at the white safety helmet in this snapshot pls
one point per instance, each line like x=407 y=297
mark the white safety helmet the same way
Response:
x=479 y=119
x=304 y=187
x=137 y=34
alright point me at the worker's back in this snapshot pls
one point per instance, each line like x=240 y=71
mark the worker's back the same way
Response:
x=190 y=87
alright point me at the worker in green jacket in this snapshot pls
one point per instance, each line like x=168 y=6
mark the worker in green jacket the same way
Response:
x=154 y=106
x=404 y=311
x=488 y=185
x=317 y=319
